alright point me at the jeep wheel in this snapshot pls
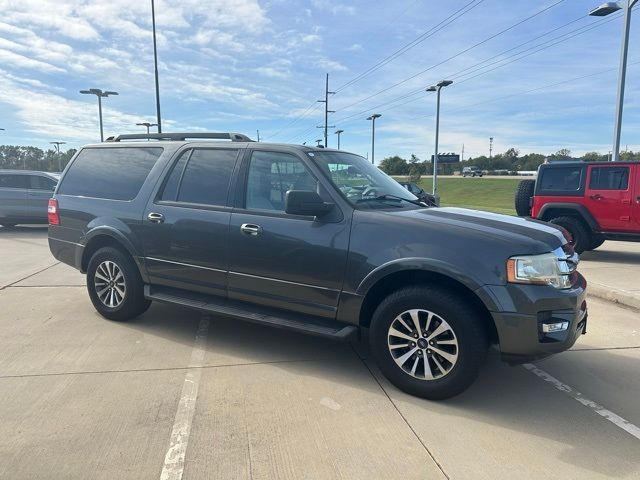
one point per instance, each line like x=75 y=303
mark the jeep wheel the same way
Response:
x=524 y=192
x=582 y=238
x=598 y=240
x=428 y=341
x=115 y=286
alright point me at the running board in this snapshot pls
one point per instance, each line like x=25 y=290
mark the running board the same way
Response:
x=253 y=313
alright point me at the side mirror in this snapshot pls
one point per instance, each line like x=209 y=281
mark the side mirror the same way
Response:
x=303 y=202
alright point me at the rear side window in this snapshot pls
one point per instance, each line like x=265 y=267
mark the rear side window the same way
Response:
x=14 y=181
x=561 y=179
x=609 y=178
x=170 y=190
x=39 y=182
x=207 y=176
x=113 y=173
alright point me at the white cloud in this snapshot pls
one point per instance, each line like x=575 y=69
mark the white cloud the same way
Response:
x=334 y=7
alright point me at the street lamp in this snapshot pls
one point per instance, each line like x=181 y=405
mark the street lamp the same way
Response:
x=57 y=144
x=318 y=142
x=338 y=132
x=373 y=135
x=99 y=93
x=436 y=88
x=601 y=11
x=147 y=124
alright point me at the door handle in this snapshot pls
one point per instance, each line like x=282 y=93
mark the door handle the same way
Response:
x=597 y=196
x=155 y=217
x=251 y=229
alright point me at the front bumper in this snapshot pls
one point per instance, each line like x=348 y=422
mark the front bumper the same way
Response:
x=525 y=308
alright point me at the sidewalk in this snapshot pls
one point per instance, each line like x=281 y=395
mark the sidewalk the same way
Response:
x=613 y=272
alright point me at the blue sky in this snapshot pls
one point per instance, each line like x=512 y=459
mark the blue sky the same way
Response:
x=244 y=65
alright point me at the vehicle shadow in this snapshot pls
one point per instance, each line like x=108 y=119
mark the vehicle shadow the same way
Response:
x=608 y=256
x=503 y=398
x=21 y=231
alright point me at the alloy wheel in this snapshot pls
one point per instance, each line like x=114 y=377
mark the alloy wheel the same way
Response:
x=109 y=284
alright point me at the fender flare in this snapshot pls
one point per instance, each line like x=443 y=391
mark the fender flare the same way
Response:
x=581 y=210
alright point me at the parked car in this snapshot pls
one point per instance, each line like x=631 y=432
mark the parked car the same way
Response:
x=471 y=172
x=24 y=195
x=594 y=202
x=420 y=193
x=318 y=241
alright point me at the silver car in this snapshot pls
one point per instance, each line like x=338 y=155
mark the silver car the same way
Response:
x=24 y=195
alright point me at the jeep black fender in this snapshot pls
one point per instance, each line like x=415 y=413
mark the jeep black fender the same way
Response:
x=547 y=212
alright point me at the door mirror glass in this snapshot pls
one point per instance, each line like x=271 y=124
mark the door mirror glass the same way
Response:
x=304 y=202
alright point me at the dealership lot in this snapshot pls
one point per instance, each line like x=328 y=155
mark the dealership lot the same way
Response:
x=83 y=397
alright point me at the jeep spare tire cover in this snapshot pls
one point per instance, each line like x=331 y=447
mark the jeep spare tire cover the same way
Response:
x=524 y=192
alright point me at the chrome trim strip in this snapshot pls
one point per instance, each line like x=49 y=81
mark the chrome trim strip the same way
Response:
x=185 y=264
x=284 y=281
x=67 y=241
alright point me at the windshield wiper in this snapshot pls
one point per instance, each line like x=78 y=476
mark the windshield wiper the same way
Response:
x=388 y=196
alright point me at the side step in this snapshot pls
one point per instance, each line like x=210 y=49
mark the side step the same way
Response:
x=320 y=327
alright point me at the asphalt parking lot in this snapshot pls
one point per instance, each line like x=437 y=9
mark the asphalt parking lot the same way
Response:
x=177 y=393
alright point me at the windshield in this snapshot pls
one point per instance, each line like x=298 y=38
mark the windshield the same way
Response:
x=363 y=184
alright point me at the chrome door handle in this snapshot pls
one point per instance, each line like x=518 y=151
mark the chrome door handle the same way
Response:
x=251 y=229
x=597 y=196
x=155 y=217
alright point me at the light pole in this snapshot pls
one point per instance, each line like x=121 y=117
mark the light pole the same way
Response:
x=601 y=11
x=338 y=132
x=99 y=93
x=436 y=88
x=147 y=124
x=318 y=142
x=57 y=144
x=373 y=136
x=155 y=65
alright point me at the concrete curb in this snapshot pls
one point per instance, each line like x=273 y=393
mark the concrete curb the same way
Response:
x=621 y=297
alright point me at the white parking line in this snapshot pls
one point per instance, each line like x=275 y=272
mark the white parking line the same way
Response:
x=617 y=420
x=174 y=459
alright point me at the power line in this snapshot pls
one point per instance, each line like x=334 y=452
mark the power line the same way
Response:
x=491 y=37
x=421 y=38
x=307 y=111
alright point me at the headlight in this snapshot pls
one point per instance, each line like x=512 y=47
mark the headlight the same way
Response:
x=546 y=269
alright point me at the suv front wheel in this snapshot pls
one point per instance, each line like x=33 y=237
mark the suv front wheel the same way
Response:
x=115 y=286
x=428 y=341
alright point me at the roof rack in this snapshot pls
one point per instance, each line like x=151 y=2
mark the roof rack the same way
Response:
x=234 y=137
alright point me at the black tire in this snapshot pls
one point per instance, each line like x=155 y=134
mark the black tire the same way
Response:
x=597 y=241
x=582 y=238
x=463 y=320
x=133 y=302
x=524 y=192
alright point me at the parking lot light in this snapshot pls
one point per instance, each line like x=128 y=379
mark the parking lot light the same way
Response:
x=601 y=11
x=99 y=93
x=436 y=88
x=373 y=135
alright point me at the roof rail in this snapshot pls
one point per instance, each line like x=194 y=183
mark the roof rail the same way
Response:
x=234 y=137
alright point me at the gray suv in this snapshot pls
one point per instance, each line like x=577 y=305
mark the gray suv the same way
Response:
x=317 y=241
x=24 y=195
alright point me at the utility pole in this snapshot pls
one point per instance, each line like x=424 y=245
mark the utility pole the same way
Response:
x=463 y=152
x=258 y=132
x=326 y=125
x=490 y=146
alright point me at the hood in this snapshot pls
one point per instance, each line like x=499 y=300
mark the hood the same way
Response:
x=498 y=226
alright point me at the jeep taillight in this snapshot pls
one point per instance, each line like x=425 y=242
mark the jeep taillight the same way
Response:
x=52 y=212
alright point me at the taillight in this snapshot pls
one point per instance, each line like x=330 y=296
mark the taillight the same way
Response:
x=52 y=211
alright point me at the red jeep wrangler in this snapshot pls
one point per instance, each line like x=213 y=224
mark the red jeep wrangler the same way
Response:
x=594 y=201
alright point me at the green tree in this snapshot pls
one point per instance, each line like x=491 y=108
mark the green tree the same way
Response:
x=415 y=169
x=394 y=166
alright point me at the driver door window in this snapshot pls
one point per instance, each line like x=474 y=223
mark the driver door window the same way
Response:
x=271 y=176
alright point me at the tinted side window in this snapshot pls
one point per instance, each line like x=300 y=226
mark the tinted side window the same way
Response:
x=115 y=173
x=14 y=181
x=561 y=179
x=40 y=182
x=271 y=176
x=170 y=190
x=207 y=176
x=609 y=178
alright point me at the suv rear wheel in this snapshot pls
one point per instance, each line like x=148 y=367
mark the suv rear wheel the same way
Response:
x=582 y=238
x=115 y=286
x=524 y=192
x=428 y=341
